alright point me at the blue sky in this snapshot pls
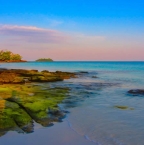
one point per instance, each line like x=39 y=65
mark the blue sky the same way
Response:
x=120 y=20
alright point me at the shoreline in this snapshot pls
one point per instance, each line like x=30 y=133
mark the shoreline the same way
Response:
x=13 y=61
x=94 y=97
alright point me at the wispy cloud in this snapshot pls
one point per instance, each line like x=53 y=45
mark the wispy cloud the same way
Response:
x=88 y=38
x=52 y=43
x=33 y=34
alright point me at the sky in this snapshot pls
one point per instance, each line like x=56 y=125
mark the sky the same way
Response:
x=78 y=30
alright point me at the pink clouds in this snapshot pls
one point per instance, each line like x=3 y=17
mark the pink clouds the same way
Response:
x=34 y=42
x=33 y=34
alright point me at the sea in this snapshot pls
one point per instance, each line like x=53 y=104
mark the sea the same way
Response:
x=101 y=111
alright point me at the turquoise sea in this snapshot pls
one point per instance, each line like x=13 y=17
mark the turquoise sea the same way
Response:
x=93 y=117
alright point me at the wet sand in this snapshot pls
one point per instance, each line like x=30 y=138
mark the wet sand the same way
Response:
x=59 y=134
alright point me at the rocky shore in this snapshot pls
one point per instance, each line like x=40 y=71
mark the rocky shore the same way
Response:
x=12 y=61
x=24 y=98
x=20 y=76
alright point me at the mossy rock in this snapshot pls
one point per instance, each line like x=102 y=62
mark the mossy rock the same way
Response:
x=22 y=103
x=123 y=107
x=25 y=103
x=12 y=115
x=18 y=80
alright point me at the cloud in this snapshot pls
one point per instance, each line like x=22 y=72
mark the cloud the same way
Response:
x=33 y=34
x=90 y=38
x=86 y=41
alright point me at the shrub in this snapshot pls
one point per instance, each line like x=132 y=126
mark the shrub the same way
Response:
x=15 y=57
x=44 y=59
x=8 y=56
x=5 y=55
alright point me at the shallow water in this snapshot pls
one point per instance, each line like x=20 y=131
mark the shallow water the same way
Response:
x=93 y=119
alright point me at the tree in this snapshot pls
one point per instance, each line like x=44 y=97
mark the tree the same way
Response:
x=9 y=56
x=5 y=55
x=15 y=57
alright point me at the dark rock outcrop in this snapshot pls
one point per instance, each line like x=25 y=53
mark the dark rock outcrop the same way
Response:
x=85 y=72
x=21 y=76
x=136 y=92
x=94 y=77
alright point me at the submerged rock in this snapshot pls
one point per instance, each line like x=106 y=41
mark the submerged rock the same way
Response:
x=83 y=72
x=29 y=128
x=123 y=107
x=136 y=92
x=94 y=77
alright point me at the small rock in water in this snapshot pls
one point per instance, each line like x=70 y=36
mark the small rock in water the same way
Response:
x=94 y=77
x=136 y=92
x=123 y=107
x=84 y=72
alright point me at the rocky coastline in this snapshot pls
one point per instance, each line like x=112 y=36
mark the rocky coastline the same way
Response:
x=13 y=61
x=21 y=76
x=25 y=99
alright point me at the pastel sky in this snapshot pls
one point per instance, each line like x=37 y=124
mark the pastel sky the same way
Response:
x=97 y=30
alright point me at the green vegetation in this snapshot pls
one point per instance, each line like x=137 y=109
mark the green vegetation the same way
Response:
x=123 y=107
x=44 y=60
x=7 y=56
x=21 y=104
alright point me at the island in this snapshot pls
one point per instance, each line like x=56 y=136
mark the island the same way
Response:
x=44 y=60
x=8 y=56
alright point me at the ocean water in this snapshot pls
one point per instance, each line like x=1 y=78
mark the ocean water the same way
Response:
x=93 y=117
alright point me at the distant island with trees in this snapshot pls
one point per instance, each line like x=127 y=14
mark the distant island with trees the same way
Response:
x=8 y=56
x=44 y=60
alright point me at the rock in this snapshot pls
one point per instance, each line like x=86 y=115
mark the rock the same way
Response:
x=28 y=128
x=45 y=71
x=123 y=107
x=65 y=75
x=28 y=103
x=46 y=122
x=18 y=80
x=84 y=72
x=136 y=92
x=13 y=61
x=58 y=71
x=33 y=70
x=94 y=77
x=21 y=76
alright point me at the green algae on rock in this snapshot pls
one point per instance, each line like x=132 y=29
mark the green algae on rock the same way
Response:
x=22 y=102
x=123 y=107
x=20 y=109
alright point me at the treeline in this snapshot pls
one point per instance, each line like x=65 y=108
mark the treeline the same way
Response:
x=44 y=59
x=7 y=56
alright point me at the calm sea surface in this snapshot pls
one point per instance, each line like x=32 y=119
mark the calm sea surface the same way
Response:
x=93 y=117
